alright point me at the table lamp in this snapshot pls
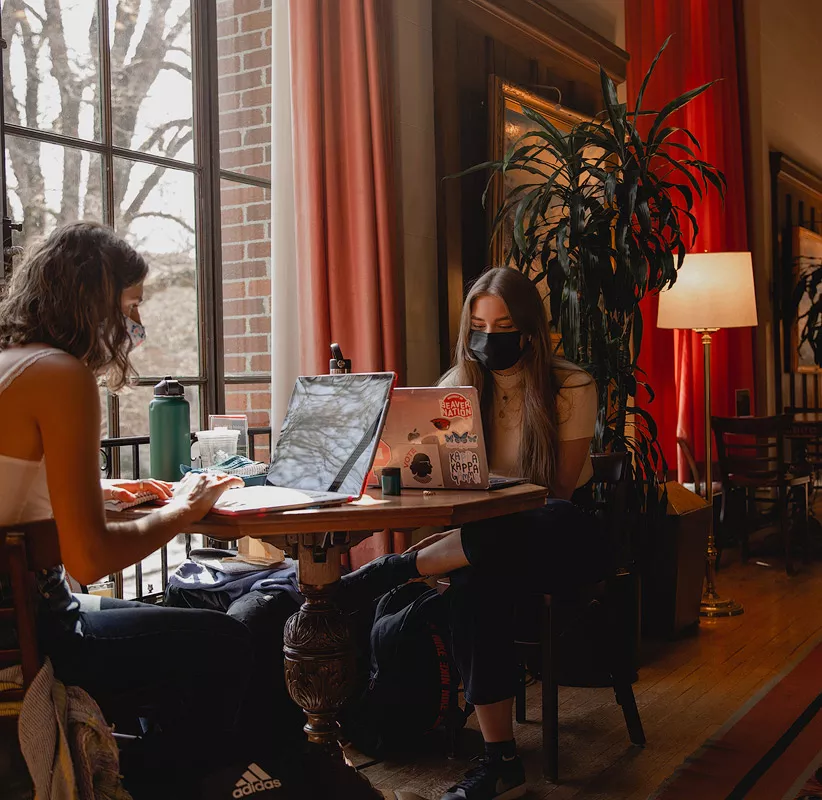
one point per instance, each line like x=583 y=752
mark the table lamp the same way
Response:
x=712 y=291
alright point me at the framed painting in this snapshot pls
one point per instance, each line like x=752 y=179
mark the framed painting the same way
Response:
x=806 y=250
x=506 y=125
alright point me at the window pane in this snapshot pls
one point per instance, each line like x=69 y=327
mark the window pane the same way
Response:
x=253 y=400
x=134 y=419
x=246 y=236
x=52 y=66
x=50 y=185
x=244 y=72
x=103 y=412
x=155 y=213
x=151 y=76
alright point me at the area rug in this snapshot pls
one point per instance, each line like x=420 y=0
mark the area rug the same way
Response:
x=770 y=750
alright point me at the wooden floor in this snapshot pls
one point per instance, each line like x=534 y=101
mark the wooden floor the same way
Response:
x=686 y=691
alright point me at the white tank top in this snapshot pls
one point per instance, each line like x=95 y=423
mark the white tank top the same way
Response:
x=25 y=495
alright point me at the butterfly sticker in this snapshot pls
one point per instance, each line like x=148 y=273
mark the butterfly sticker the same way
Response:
x=467 y=438
x=441 y=424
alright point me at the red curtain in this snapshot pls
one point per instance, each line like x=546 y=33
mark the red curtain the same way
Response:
x=344 y=189
x=703 y=48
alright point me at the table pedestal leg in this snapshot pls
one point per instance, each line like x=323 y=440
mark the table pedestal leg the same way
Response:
x=320 y=666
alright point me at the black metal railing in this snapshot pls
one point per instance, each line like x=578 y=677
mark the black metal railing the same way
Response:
x=120 y=458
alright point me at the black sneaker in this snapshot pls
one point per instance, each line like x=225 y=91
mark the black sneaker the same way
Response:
x=491 y=780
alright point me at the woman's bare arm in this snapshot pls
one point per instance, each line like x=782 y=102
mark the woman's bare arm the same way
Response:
x=66 y=405
x=570 y=460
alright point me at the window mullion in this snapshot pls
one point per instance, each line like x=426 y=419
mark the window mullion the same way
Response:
x=106 y=132
x=209 y=243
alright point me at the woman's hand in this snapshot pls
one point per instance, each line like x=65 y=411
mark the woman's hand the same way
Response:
x=197 y=492
x=126 y=491
x=428 y=541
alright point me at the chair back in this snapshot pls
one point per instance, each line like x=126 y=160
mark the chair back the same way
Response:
x=25 y=549
x=612 y=475
x=751 y=450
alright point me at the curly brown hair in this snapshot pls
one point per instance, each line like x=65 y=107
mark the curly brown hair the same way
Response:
x=66 y=294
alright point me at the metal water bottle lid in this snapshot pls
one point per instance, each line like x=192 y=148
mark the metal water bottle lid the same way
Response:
x=338 y=365
x=169 y=387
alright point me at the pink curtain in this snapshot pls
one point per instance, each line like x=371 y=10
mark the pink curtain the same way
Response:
x=344 y=187
x=344 y=192
x=703 y=49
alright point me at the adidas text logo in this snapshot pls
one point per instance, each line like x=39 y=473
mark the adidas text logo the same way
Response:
x=255 y=779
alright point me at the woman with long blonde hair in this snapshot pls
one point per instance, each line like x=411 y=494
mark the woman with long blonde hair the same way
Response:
x=538 y=414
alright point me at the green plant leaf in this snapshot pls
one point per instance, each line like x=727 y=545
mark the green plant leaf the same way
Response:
x=647 y=78
x=675 y=105
x=616 y=110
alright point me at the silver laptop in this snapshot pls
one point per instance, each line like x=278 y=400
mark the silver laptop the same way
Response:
x=326 y=446
x=434 y=435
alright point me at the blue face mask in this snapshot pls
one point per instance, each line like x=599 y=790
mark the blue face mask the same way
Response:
x=136 y=331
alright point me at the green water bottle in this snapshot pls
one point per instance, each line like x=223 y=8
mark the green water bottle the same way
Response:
x=169 y=426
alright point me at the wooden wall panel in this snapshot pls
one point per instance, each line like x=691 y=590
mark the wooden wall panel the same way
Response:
x=526 y=42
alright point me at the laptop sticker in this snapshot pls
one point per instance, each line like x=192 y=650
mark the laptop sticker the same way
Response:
x=381 y=459
x=456 y=405
x=421 y=467
x=464 y=466
x=464 y=439
x=441 y=424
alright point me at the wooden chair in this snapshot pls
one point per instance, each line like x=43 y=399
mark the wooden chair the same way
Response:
x=751 y=452
x=25 y=549
x=612 y=612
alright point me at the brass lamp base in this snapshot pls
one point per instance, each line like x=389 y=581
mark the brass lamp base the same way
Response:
x=713 y=605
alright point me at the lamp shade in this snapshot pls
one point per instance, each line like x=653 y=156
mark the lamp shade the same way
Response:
x=712 y=290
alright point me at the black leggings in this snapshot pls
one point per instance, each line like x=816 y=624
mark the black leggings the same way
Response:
x=550 y=550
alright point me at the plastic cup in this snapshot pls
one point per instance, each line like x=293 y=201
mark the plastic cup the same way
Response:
x=217 y=445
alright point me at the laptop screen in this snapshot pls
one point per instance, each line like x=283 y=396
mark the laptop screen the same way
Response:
x=331 y=432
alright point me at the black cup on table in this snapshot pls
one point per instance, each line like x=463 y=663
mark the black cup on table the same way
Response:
x=390 y=481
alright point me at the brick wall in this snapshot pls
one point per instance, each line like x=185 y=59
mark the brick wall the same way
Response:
x=244 y=67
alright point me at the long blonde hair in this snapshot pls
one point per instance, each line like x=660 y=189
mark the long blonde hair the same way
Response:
x=539 y=440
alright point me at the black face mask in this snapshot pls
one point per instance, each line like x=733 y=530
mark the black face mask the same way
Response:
x=496 y=351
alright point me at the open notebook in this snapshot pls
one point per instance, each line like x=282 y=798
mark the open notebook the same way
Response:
x=140 y=499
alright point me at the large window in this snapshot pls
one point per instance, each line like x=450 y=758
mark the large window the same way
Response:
x=154 y=117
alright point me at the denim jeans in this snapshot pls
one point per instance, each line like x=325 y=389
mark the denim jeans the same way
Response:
x=189 y=670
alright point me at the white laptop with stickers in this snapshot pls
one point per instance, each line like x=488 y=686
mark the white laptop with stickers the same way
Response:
x=434 y=435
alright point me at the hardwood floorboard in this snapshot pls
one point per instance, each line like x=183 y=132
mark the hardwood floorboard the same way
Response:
x=687 y=690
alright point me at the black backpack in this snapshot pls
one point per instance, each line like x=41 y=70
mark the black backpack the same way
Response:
x=413 y=683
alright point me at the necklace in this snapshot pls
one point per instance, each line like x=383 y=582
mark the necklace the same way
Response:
x=505 y=401
x=506 y=405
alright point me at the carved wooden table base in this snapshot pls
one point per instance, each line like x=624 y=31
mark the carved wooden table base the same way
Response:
x=319 y=654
